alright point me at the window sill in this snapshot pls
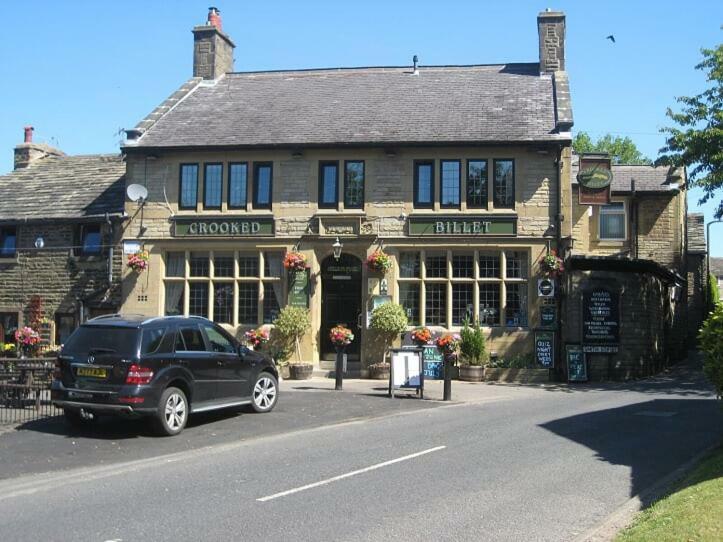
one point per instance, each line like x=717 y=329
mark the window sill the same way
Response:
x=611 y=242
x=8 y=260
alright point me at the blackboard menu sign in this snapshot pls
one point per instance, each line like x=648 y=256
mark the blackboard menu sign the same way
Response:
x=548 y=315
x=600 y=316
x=433 y=363
x=576 y=364
x=299 y=289
x=545 y=348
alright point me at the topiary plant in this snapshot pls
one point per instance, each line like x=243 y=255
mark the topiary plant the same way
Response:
x=290 y=326
x=389 y=321
x=711 y=343
x=473 y=346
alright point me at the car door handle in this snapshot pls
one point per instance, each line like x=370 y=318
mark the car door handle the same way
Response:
x=219 y=363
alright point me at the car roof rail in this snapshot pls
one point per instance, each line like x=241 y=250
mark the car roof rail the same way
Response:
x=103 y=316
x=199 y=317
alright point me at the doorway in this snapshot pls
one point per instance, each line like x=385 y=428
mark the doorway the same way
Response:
x=341 y=301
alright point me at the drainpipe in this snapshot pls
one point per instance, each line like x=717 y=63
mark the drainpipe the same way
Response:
x=633 y=220
x=558 y=230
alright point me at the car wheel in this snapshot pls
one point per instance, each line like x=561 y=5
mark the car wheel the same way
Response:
x=265 y=393
x=172 y=413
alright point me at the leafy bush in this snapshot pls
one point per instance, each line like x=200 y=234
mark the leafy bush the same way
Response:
x=713 y=292
x=473 y=344
x=389 y=321
x=289 y=327
x=711 y=343
x=520 y=361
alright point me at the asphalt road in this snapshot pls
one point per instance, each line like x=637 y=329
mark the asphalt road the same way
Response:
x=523 y=463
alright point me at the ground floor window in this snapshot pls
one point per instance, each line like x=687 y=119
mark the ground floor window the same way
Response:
x=447 y=287
x=8 y=327
x=228 y=287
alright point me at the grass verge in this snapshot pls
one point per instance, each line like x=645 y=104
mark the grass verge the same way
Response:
x=692 y=512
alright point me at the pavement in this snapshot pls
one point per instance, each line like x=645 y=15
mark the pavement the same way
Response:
x=502 y=462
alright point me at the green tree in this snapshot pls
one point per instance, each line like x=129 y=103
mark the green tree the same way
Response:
x=697 y=141
x=389 y=321
x=713 y=291
x=622 y=149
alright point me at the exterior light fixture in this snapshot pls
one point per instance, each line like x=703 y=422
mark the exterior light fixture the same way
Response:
x=337 y=246
x=39 y=243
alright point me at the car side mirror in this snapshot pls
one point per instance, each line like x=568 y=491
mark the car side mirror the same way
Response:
x=243 y=351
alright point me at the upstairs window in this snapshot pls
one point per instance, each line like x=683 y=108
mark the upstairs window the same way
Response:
x=263 y=185
x=477 y=184
x=424 y=184
x=212 y=186
x=89 y=240
x=8 y=241
x=237 y=185
x=450 y=178
x=188 y=186
x=328 y=184
x=612 y=222
x=504 y=184
x=354 y=184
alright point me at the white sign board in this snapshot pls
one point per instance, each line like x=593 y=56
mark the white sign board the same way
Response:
x=406 y=370
x=131 y=247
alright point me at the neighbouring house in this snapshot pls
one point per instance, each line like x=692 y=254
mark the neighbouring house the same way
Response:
x=716 y=269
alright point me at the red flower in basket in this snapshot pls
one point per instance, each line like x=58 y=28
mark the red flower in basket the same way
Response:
x=294 y=261
x=421 y=336
x=379 y=261
x=138 y=261
x=256 y=337
x=449 y=343
x=341 y=336
x=552 y=264
x=27 y=336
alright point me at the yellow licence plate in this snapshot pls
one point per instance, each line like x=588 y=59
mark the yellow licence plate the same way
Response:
x=95 y=372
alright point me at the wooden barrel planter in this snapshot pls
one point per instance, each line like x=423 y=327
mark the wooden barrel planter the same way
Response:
x=379 y=371
x=300 y=371
x=472 y=373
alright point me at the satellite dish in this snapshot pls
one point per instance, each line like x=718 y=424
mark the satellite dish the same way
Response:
x=137 y=192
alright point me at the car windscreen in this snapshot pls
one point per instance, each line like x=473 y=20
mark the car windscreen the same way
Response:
x=87 y=340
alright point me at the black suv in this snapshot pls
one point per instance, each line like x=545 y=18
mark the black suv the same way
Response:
x=165 y=368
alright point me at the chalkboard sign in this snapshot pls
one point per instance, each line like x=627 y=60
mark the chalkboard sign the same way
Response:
x=548 y=315
x=600 y=316
x=299 y=289
x=433 y=363
x=576 y=364
x=545 y=348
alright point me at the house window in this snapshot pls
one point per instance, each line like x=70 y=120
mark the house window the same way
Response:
x=223 y=264
x=188 y=186
x=89 y=240
x=354 y=184
x=450 y=178
x=409 y=300
x=8 y=327
x=198 y=299
x=436 y=305
x=504 y=184
x=516 y=304
x=477 y=184
x=328 y=184
x=409 y=265
x=223 y=302
x=612 y=222
x=212 y=186
x=462 y=303
x=8 y=241
x=263 y=185
x=424 y=184
x=64 y=326
x=237 y=185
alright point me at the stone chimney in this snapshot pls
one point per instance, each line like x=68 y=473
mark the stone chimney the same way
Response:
x=28 y=152
x=212 y=49
x=551 y=29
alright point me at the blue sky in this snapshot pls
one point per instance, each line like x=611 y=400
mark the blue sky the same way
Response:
x=81 y=71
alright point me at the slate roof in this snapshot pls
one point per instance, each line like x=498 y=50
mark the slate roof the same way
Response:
x=64 y=187
x=363 y=106
x=716 y=267
x=696 y=233
x=647 y=178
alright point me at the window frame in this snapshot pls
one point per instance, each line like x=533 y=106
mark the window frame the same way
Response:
x=416 y=203
x=322 y=204
x=81 y=231
x=459 y=184
x=4 y=236
x=181 y=206
x=205 y=186
x=494 y=183
x=230 y=205
x=623 y=212
x=255 y=203
x=363 y=184
x=486 y=198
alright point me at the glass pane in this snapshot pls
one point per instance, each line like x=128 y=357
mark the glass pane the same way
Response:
x=477 y=183
x=237 y=188
x=263 y=186
x=424 y=184
x=222 y=302
x=151 y=340
x=450 y=182
x=328 y=184
x=248 y=265
x=199 y=264
x=175 y=264
x=463 y=266
x=272 y=301
x=189 y=185
x=504 y=187
x=198 y=299
x=174 y=298
x=462 y=303
x=516 y=265
x=436 y=304
x=436 y=265
x=409 y=264
x=213 y=180
x=354 y=185
x=8 y=242
x=272 y=264
x=218 y=341
x=612 y=226
x=489 y=304
x=516 y=305
x=409 y=300
x=91 y=240
x=223 y=264
x=489 y=265
x=248 y=302
x=193 y=339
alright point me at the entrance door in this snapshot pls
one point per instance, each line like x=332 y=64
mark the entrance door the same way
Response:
x=341 y=294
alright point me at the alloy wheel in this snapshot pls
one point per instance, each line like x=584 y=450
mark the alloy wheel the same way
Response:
x=175 y=411
x=264 y=393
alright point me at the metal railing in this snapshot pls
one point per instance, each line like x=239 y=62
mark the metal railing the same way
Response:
x=25 y=390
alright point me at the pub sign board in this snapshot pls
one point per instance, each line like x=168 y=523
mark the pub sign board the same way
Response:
x=576 y=363
x=548 y=315
x=545 y=348
x=467 y=226
x=223 y=227
x=299 y=289
x=433 y=362
x=600 y=317
x=594 y=179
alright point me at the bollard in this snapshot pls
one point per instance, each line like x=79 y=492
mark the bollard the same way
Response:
x=339 y=368
x=447 y=378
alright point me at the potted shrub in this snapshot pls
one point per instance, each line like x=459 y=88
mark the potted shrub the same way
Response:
x=379 y=262
x=388 y=321
x=289 y=327
x=473 y=353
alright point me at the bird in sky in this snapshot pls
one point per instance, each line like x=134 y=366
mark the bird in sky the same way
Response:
x=611 y=38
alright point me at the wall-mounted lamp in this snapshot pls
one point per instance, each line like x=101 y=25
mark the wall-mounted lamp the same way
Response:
x=337 y=246
x=297 y=154
x=391 y=153
x=39 y=243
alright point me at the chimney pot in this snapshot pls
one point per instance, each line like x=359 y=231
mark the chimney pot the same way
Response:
x=214 y=17
x=28 y=134
x=212 y=49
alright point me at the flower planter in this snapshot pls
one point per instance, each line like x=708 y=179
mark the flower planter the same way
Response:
x=379 y=372
x=471 y=373
x=300 y=371
x=522 y=376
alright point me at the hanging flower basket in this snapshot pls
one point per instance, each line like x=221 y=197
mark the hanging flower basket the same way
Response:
x=28 y=339
x=341 y=336
x=448 y=344
x=421 y=336
x=256 y=337
x=552 y=265
x=294 y=261
x=138 y=261
x=379 y=262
